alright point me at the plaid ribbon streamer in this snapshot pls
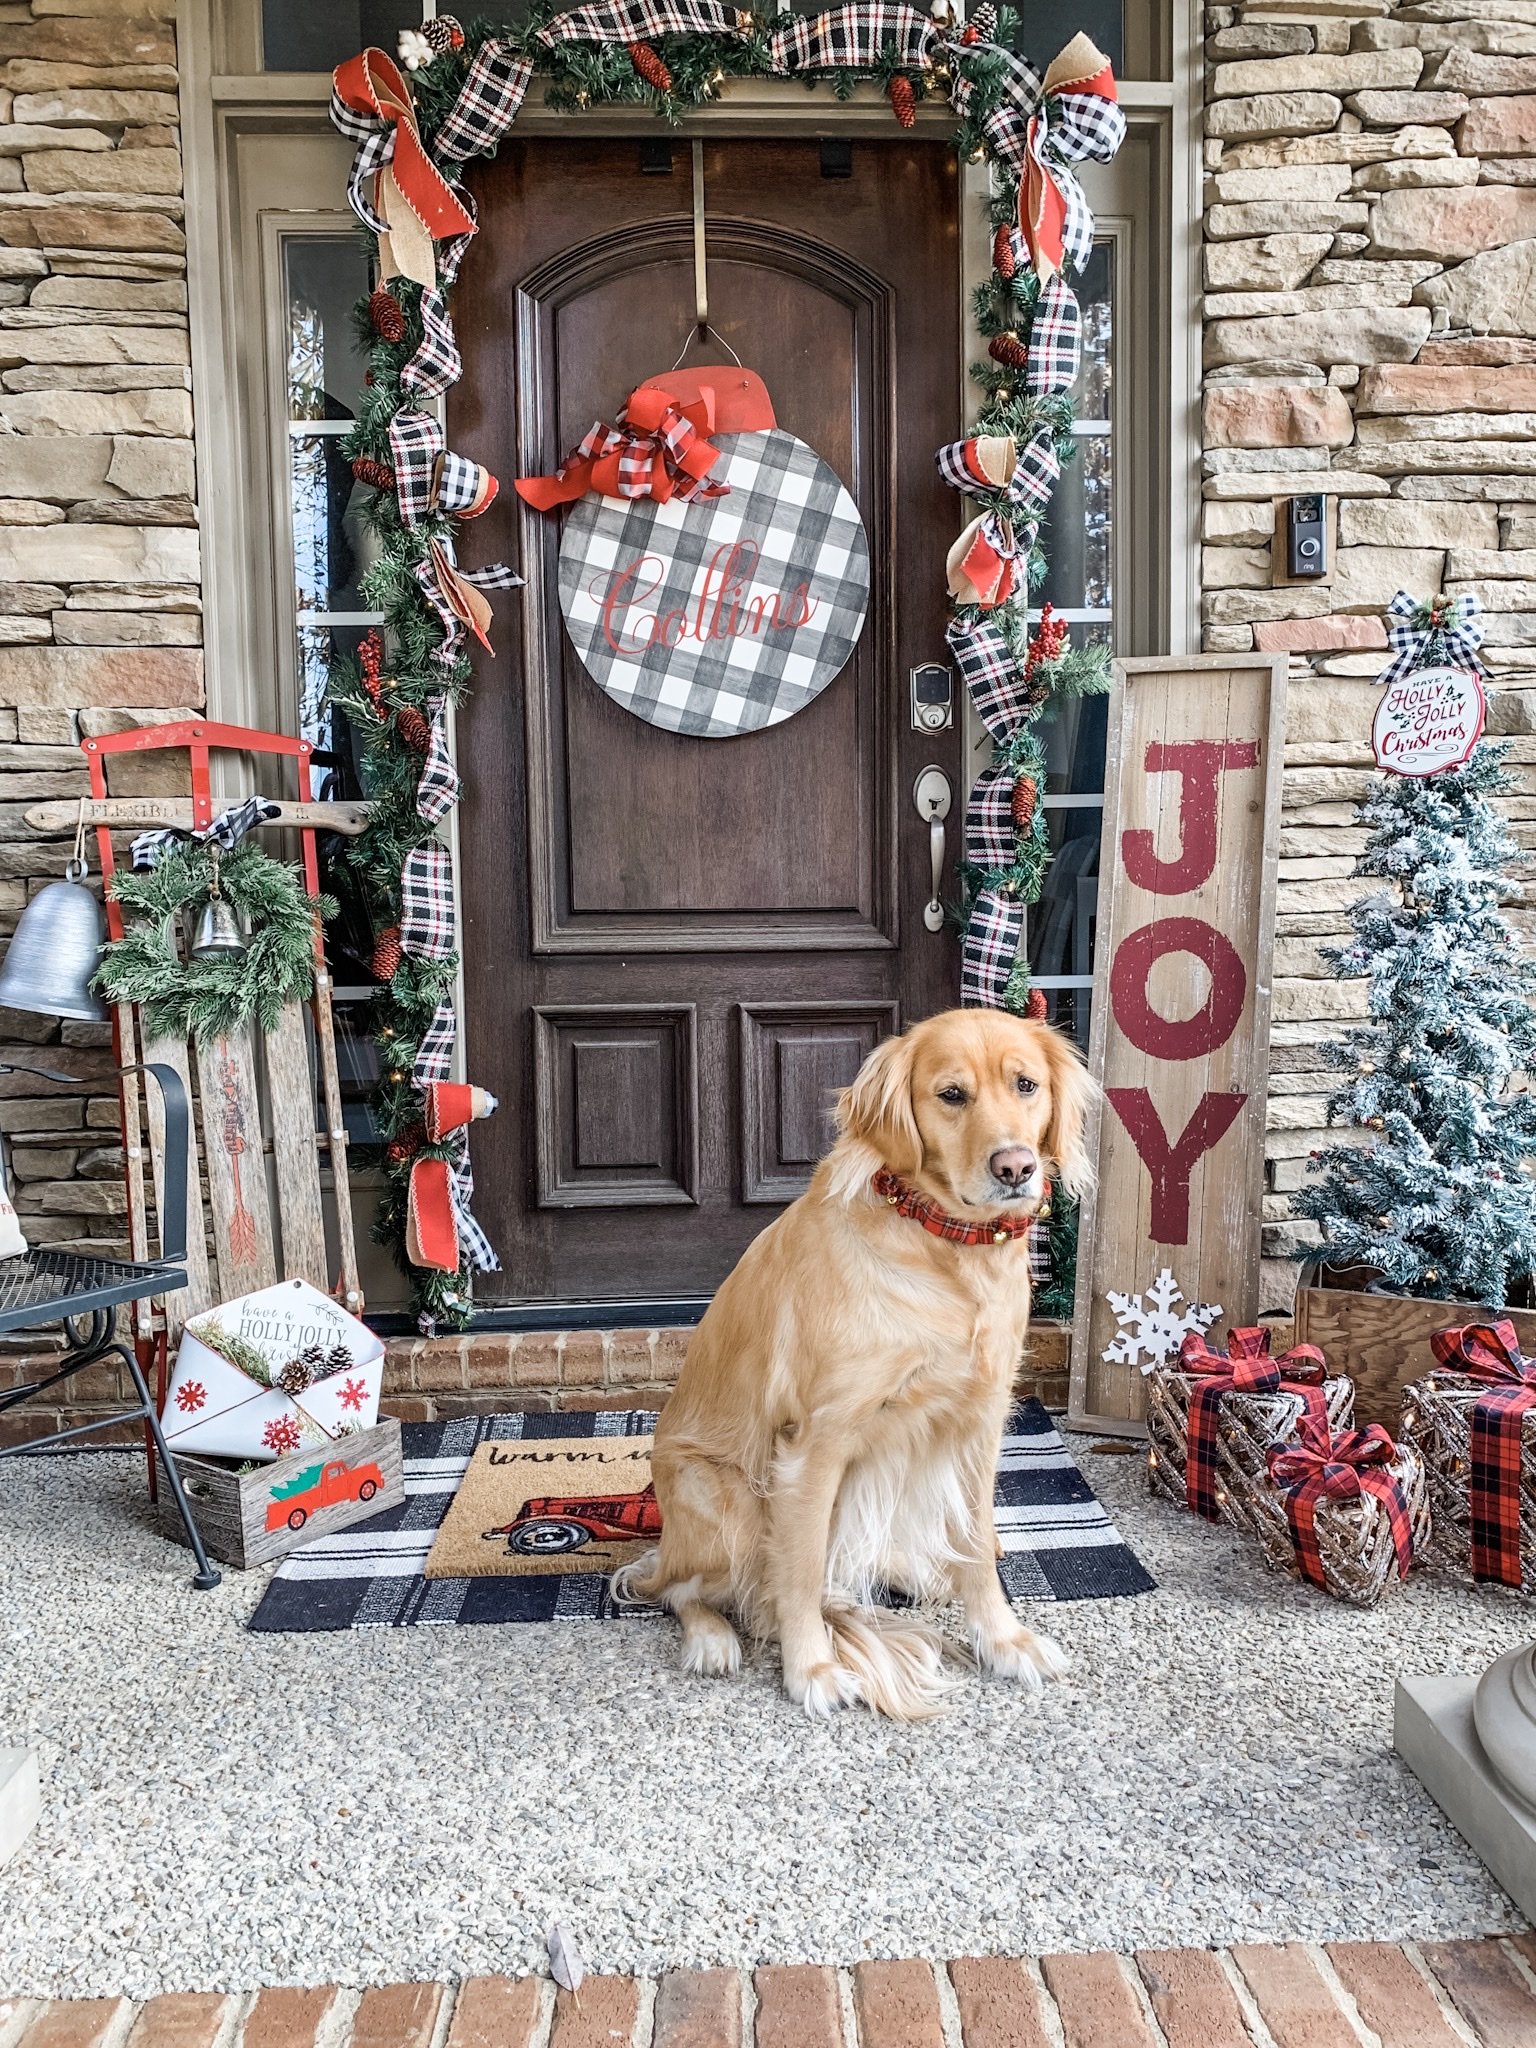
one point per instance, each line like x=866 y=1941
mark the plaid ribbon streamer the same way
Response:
x=853 y=37
x=1245 y=1368
x=426 y=902
x=989 y=834
x=1055 y=341
x=1005 y=125
x=1491 y=1352
x=1077 y=120
x=474 y=1245
x=989 y=671
x=429 y=477
x=991 y=946
x=227 y=831
x=1322 y=1466
x=1026 y=493
x=452 y=593
x=434 y=1055
x=440 y=785
x=437 y=365
x=639 y=20
x=1422 y=634
x=488 y=103
x=906 y=1201
x=394 y=187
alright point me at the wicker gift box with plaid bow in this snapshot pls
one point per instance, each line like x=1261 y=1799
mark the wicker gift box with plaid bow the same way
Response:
x=1213 y=1416
x=1346 y=1510
x=1473 y=1421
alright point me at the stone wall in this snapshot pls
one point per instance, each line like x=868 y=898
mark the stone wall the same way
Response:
x=100 y=616
x=1370 y=332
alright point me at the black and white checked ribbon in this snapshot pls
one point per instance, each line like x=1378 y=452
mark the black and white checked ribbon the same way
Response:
x=990 y=948
x=429 y=476
x=226 y=831
x=488 y=103
x=441 y=784
x=989 y=834
x=853 y=37
x=1055 y=341
x=426 y=902
x=1423 y=634
x=1005 y=125
x=989 y=672
x=637 y=21
x=474 y=1245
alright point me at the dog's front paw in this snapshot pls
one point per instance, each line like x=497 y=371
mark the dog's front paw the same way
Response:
x=821 y=1688
x=711 y=1647
x=1029 y=1658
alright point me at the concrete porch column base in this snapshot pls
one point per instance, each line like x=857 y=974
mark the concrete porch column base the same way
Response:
x=1436 y=1735
x=21 y=1799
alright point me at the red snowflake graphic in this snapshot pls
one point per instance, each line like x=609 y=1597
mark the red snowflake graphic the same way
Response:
x=353 y=1394
x=190 y=1396
x=281 y=1434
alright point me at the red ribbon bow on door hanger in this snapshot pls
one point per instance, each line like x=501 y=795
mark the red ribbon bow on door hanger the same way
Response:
x=413 y=203
x=1491 y=1352
x=659 y=449
x=1322 y=1466
x=1245 y=1368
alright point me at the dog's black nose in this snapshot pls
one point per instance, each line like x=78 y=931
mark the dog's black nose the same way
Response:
x=1012 y=1165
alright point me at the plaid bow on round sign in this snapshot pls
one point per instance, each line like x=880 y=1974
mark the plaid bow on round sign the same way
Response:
x=718 y=615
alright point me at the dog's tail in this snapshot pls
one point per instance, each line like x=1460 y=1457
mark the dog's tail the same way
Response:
x=639 y=1583
x=897 y=1660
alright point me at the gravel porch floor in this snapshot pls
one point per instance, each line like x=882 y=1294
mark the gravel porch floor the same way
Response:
x=224 y=1810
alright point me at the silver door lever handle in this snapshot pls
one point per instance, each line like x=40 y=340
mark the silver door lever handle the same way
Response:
x=931 y=797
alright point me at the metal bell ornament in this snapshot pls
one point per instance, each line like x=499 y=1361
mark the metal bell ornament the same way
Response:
x=217 y=934
x=55 y=950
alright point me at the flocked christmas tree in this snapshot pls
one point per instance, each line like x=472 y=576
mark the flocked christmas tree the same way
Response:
x=1437 y=1199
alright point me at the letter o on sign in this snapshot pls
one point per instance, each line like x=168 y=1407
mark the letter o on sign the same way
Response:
x=1184 y=1038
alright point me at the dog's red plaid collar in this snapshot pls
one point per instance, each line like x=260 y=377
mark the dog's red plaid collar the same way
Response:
x=954 y=1229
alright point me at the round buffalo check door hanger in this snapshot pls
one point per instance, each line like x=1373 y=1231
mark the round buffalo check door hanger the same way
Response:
x=713 y=582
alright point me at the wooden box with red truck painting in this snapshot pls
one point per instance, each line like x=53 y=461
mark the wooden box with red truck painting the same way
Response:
x=250 y=1517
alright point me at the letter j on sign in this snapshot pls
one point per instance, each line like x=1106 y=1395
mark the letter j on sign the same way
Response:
x=1180 y=1039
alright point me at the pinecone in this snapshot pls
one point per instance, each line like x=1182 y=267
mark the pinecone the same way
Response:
x=1007 y=349
x=377 y=475
x=339 y=1359
x=384 y=310
x=406 y=1145
x=982 y=26
x=1034 y=1005
x=387 y=954
x=443 y=33
x=1023 y=803
x=413 y=728
x=314 y=1357
x=649 y=66
x=903 y=100
x=295 y=1376
x=1002 y=251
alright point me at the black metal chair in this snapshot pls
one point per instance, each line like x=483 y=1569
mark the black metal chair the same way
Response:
x=84 y=1293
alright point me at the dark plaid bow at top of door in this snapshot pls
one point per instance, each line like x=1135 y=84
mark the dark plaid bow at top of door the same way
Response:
x=1491 y=1352
x=1320 y=1466
x=1245 y=1367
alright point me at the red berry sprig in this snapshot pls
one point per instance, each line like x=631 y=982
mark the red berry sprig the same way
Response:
x=649 y=66
x=903 y=100
x=370 y=659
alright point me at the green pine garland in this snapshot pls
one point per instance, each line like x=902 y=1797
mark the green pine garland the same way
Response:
x=203 y=999
x=579 y=76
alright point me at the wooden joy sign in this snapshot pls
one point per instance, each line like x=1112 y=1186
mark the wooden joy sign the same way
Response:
x=1181 y=1010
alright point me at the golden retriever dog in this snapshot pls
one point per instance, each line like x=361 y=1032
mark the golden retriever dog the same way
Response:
x=836 y=1423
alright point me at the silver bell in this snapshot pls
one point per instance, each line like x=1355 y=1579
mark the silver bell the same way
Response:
x=55 y=950
x=217 y=934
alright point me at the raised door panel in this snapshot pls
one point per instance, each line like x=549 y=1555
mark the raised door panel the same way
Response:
x=795 y=1060
x=616 y=1100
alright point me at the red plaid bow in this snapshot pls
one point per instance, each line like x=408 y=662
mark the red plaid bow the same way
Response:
x=1491 y=1351
x=659 y=449
x=1245 y=1368
x=1322 y=1466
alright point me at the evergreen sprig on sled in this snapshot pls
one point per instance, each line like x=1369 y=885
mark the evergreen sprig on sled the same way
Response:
x=1435 y=1196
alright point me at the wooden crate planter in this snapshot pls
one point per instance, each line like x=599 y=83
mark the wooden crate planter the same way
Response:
x=1354 y=1538
x=1437 y=1421
x=1381 y=1341
x=1247 y=1425
x=249 y=1518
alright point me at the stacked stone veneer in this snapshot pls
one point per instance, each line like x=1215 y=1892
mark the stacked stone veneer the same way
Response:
x=1370 y=332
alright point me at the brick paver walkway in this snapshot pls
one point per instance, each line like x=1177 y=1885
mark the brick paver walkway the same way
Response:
x=1359 y=1994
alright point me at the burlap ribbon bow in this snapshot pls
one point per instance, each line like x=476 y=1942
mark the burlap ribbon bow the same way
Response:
x=657 y=449
x=1077 y=120
x=1320 y=1466
x=1491 y=1352
x=411 y=204
x=1244 y=1368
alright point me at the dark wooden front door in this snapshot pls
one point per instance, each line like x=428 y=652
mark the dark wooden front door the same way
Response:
x=677 y=949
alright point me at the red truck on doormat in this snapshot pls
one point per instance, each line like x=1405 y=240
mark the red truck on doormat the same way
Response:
x=320 y=1486
x=552 y=1526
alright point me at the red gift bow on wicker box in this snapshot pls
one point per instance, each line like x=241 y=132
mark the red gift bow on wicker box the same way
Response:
x=1322 y=1466
x=1244 y=1368
x=659 y=449
x=1491 y=1351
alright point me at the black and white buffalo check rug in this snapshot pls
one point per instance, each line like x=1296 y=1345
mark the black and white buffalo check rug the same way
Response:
x=719 y=616
x=1058 y=1543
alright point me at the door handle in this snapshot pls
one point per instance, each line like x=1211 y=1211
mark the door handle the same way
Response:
x=931 y=795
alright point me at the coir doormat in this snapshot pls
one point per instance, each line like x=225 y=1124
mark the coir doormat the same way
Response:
x=548 y=1504
x=1058 y=1543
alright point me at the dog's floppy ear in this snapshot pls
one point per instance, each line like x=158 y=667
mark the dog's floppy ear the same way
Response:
x=877 y=1109
x=1073 y=1092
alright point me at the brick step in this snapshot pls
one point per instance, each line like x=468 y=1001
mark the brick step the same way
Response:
x=1359 y=1994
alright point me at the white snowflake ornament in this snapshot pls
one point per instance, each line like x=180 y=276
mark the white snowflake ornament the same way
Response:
x=1153 y=1328
x=415 y=50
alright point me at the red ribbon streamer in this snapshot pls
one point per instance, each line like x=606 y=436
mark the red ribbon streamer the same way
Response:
x=1322 y=1466
x=658 y=449
x=1246 y=1368
x=370 y=84
x=1491 y=1352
